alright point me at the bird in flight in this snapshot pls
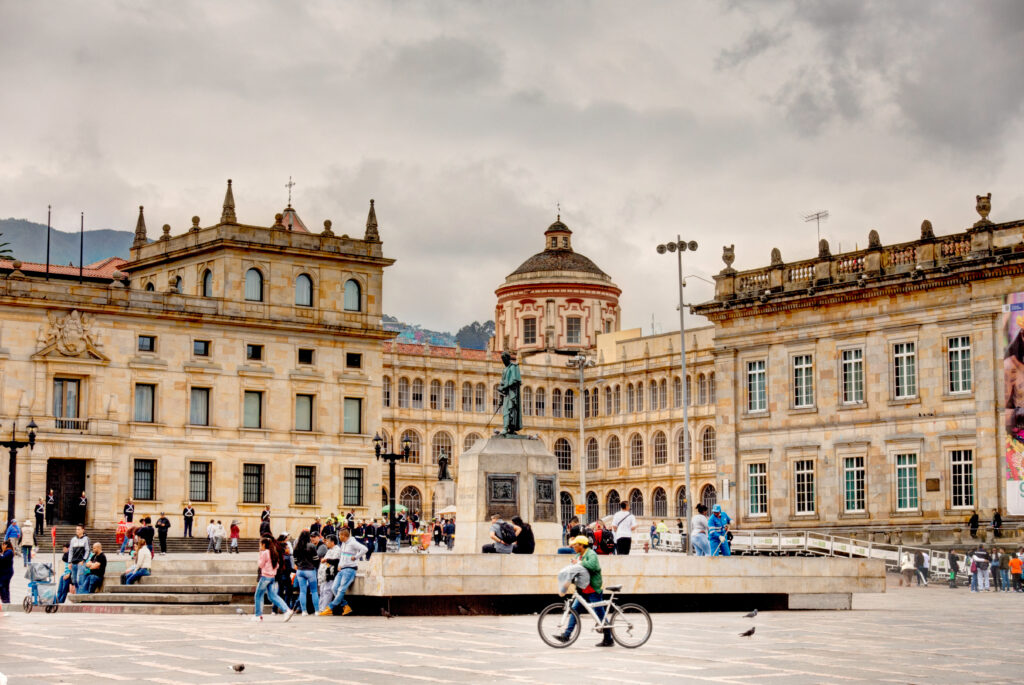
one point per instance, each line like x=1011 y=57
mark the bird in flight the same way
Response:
x=748 y=633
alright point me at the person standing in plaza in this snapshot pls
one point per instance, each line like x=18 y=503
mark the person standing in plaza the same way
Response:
x=981 y=560
x=6 y=572
x=129 y=510
x=188 y=514
x=351 y=553
x=83 y=506
x=306 y=564
x=1016 y=565
x=146 y=532
x=163 y=524
x=699 y=530
x=449 y=533
x=40 y=511
x=1004 y=570
x=972 y=524
x=51 y=507
x=623 y=524
x=315 y=526
x=954 y=568
x=997 y=523
x=382 y=536
x=265 y=516
x=78 y=551
x=27 y=542
x=919 y=568
x=219 y=535
x=235 y=533
x=210 y=527
x=718 y=532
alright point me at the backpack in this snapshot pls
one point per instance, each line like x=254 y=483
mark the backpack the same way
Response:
x=506 y=532
x=607 y=544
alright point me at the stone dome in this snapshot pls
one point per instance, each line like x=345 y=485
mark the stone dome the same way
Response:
x=558 y=255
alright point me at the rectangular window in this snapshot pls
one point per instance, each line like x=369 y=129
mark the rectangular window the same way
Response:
x=961 y=464
x=853 y=376
x=305 y=484
x=303 y=412
x=352 y=491
x=853 y=482
x=904 y=360
x=449 y=396
x=481 y=397
x=757 y=389
x=199 y=481
x=529 y=331
x=66 y=393
x=144 y=486
x=199 y=407
x=906 y=482
x=572 y=330
x=144 y=402
x=353 y=415
x=254 y=353
x=253 y=414
x=305 y=356
x=147 y=343
x=803 y=381
x=803 y=472
x=252 y=483
x=758 y=480
x=354 y=360
x=960 y=364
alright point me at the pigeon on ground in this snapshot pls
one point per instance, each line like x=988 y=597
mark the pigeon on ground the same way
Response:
x=464 y=611
x=385 y=613
x=239 y=611
x=752 y=614
x=238 y=668
x=748 y=633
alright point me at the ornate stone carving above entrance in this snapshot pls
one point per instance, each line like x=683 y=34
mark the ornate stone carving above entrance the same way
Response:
x=69 y=335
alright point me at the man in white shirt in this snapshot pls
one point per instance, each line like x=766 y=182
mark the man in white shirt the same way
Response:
x=623 y=524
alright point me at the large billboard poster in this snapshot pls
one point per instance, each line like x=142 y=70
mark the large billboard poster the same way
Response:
x=1013 y=412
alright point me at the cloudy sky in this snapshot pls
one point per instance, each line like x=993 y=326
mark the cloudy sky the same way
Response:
x=469 y=121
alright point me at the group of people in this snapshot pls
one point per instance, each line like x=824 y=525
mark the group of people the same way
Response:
x=515 y=537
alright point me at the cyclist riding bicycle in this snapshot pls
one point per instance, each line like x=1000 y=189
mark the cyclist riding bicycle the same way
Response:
x=586 y=558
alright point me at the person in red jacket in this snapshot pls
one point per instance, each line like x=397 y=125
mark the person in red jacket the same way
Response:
x=235 y=532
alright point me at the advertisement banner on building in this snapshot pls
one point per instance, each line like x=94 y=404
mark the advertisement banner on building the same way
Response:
x=1013 y=406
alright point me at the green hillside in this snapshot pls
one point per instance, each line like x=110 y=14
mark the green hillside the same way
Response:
x=28 y=243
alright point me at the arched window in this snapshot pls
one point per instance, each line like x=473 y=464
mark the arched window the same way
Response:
x=614 y=453
x=660 y=503
x=586 y=403
x=654 y=395
x=681 y=503
x=677 y=392
x=612 y=503
x=254 y=285
x=711 y=387
x=708 y=496
x=386 y=447
x=467 y=396
x=618 y=399
x=660 y=449
x=410 y=499
x=384 y=501
x=636 y=451
x=570 y=403
x=449 y=395
x=527 y=401
x=481 y=398
x=636 y=503
x=441 y=442
x=435 y=394
x=556 y=403
x=563 y=452
x=592 y=458
x=683 y=446
x=150 y=287
x=565 y=506
x=595 y=396
x=206 y=284
x=495 y=398
x=593 y=512
x=387 y=391
x=417 y=393
x=469 y=441
x=639 y=396
x=663 y=394
x=177 y=284
x=702 y=389
x=630 y=399
x=353 y=296
x=303 y=291
x=403 y=393
x=707 y=444
x=414 y=445
x=538 y=402
x=609 y=407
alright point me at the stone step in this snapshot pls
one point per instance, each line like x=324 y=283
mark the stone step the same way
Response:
x=158 y=609
x=199 y=579
x=151 y=598
x=198 y=567
x=178 y=588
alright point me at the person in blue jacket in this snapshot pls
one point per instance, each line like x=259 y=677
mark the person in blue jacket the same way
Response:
x=718 y=532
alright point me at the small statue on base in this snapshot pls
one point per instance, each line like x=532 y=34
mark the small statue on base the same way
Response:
x=509 y=388
x=442 y=467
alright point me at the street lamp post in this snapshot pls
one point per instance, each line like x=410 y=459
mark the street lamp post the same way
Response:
x=581 y=362
x=680 y=246
x=391 y=459
x=12 y=473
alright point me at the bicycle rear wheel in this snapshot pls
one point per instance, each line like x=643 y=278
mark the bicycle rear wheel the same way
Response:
x=553 y=620
x=631 y=625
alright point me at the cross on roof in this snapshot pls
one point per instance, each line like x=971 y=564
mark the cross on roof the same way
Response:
x=289 y=185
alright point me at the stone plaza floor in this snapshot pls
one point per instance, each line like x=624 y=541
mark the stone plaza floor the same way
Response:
x=907 y=635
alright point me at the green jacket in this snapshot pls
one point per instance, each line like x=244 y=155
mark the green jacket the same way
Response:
x=588 y=560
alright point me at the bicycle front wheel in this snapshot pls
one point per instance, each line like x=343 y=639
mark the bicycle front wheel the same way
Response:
x=553 y=621
x=631 y=625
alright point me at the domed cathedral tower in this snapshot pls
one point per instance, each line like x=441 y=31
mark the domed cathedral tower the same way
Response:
x=556 y=300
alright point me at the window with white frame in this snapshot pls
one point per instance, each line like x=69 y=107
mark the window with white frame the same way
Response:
x=449 y=395
x=636 y=451
x=803 y=478
x=527 y=401
x=530 y=330
x=435 y=394
x=573 y=330
x=757 y=389
x=387 y=391
x=853 y=484
x=853 y=375
x=803 y=381
x=614 y=453
x=959 y=355
x=403 y=393
x=904 y=365
x=145 y=402
x=906 y=482
x=592 y=454
x=961 y=469
x=417 y=393
x=563 y=453
x=199 y=407
x=660 y=449
x=757 y=479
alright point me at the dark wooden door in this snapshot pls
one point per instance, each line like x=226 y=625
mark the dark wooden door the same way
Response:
x=66 y=477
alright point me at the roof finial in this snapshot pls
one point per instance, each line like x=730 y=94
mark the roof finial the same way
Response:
x=371 y=226
x=228 y=215
x=140 y=230
x=558 y=206
x=289 y=185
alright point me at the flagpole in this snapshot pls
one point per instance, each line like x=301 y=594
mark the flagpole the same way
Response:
x=81 y=247
x=49 y=209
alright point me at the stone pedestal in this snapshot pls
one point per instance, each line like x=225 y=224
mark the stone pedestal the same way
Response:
x=444 y=495
x=510 y=476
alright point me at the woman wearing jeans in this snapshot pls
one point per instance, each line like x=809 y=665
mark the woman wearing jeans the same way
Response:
x=699 y=531
x=306 y=563
x=270 y=559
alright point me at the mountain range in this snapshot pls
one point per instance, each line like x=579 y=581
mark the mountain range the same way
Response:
x=27 y=241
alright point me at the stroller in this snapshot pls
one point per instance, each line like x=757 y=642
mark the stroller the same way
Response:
x=43 y=589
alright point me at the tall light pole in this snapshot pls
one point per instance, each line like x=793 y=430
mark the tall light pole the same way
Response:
x=13 y=445
x=581 y=362
x=391 y=458
x=680 y=246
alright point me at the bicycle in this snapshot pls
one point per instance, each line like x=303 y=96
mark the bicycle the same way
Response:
x=630 y=624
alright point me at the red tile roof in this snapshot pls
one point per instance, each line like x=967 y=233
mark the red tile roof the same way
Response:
x=104 y=268
x=447 y=352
